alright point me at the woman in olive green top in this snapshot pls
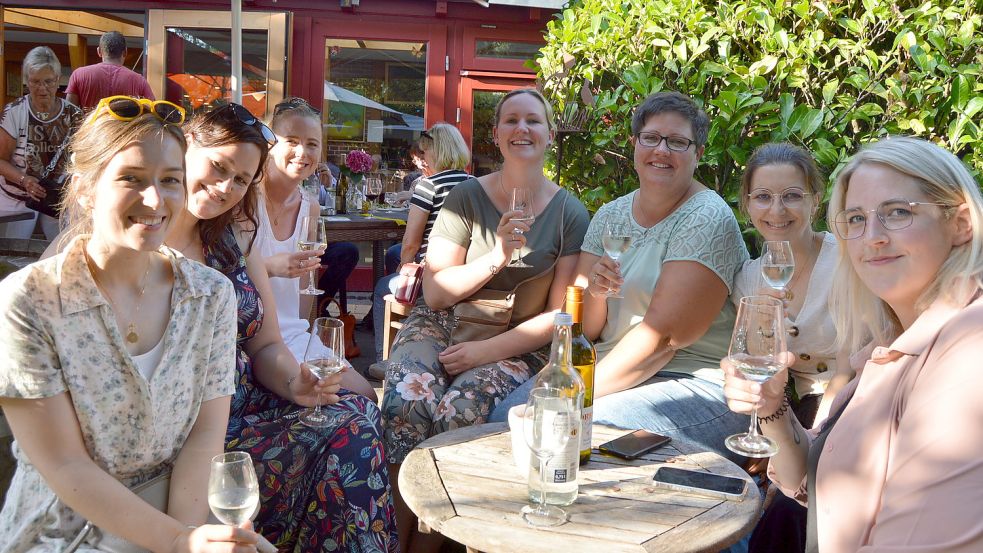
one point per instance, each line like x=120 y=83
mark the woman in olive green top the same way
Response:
x=437 y=385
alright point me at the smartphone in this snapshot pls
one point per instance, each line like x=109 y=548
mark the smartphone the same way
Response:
x=703 y=483
x=634 y=445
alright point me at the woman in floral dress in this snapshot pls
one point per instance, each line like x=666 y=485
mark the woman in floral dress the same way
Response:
x=320 y=489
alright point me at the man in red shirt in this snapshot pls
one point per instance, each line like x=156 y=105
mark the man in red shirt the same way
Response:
x=92 y=83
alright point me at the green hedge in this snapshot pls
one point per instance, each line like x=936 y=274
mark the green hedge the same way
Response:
x=827 y=75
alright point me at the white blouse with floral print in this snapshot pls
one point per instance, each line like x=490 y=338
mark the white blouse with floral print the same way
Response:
x=58 y=334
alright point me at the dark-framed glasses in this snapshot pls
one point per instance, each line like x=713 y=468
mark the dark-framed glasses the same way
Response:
x=426 y=134
x=293 y=103
x=894 y=214
x=128 y=108
x=247 y=118
x=760 y=198
x=674 y=143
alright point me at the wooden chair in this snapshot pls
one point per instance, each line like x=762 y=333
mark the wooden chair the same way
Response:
x=395 y=313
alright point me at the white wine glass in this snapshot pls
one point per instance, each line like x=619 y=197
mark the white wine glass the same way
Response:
x=616 y=240
x=521 y=202
x=777 y=264
x=391 y=198
x=313 y=236
x=548 y=418
x=325 y=356
x=756 y=349
x=233 y=490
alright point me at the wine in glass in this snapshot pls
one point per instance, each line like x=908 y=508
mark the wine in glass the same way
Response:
x=325 y=355
x=616 y=240
x=233 y=491
x=756 y=348
x=374 y=187
x=547 y=423
x=521 y=202
x=777 y=264
x=313 y=236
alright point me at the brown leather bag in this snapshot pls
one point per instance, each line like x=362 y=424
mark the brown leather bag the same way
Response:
x=351 y=347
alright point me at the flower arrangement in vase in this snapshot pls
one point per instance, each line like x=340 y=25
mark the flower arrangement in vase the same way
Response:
x=357 y=163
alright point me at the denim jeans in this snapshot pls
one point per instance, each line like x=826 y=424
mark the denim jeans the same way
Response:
x=340 y=258
x=672 y=404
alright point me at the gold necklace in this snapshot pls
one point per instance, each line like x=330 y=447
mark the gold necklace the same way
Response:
x=789 y=295
x=276 y=218
x=132 y=336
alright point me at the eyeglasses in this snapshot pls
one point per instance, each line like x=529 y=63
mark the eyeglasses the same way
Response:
x=128 y=108
x=426 y=134
x=894 y=215
x=674 y=143
x=790 y=198
x=293 y=103
x=247 y=118
x=47 y=83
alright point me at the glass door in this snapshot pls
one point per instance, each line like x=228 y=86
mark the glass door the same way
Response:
x=479 y=96
x=189 y=60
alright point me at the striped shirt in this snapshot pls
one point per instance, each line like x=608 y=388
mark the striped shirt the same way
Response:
x=429 y=196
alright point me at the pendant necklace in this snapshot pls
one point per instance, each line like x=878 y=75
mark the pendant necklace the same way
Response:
x=132 y=336
x=276 y=218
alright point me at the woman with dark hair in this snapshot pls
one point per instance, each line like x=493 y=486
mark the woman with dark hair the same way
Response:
x=312 y=481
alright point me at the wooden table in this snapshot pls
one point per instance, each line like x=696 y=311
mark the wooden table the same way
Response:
x=464 y=484
x=359 y=228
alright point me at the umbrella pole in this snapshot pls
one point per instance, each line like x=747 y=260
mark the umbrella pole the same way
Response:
x=237 y=51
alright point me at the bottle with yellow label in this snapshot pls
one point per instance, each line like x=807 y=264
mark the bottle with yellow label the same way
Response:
x=583 y=357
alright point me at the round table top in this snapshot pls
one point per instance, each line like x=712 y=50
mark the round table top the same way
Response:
x=464 y=484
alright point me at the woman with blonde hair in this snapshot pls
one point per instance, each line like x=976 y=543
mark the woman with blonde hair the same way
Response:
x=119 y=355
x=896 y=465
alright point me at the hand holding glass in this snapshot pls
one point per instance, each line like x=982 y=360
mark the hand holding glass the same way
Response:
x=233 y=491
x=756 y=350
x=313 y=236
x=547 y=422
x=521 y=202
x=324 y=356
x=616 y=240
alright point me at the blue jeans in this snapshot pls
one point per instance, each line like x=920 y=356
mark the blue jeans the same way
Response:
x=673 y=404
x=341 y=259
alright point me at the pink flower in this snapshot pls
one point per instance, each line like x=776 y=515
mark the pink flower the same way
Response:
x=445 y=409
x=415 y=387
x=358 y=161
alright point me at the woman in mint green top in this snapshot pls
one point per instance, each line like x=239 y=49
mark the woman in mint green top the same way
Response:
x=660 y=346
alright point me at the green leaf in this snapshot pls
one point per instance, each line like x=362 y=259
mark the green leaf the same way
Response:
x=764 y=66
x=917 y=126
x=829 y=90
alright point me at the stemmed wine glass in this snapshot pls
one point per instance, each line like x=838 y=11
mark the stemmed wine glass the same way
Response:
x=391 y=199
x=756 y=348
x=324 y=356
x=521 y=202
x=233 y=491
x=374 y=187
x=616 y=241
x=777 y=264
x=313 y=236
x=546 y=424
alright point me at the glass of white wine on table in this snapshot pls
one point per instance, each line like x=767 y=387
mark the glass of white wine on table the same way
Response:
x=756 y=349
x=616 y=240
x=777 y=264
x=313 y=236
x=324 y=357
x=521 y=202
x=233 y=491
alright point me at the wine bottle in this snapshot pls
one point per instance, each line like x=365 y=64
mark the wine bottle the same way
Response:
x=341 y=191
x=583 y=356
x=560 y=485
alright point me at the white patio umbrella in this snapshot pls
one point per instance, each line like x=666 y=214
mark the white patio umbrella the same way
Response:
x=335 y=93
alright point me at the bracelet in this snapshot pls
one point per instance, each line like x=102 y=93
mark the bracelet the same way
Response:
x=291 y=380
x=493 y=269
x=777 y=414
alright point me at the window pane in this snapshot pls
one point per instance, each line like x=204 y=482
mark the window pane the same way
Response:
x=506 y=50
x=485 y=156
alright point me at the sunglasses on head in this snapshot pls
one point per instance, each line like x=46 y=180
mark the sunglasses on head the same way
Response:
x=294 y=103
x=246 y=118
x=128 y=108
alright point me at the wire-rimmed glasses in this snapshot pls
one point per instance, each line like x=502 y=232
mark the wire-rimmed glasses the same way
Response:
x=894 y=214
x=762 y=198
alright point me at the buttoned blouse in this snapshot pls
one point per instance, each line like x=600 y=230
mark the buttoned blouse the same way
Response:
x=902 y=469
x=58 y=334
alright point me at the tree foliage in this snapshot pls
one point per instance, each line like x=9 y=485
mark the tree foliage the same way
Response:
x=828 y=75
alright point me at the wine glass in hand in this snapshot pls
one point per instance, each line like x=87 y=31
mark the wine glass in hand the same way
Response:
x=777 y=264
x=548 y=419
x=313 y=236
x=521 y=202
x=756 y=350
x=324 y=357
x=615 y=241
x=233 y=491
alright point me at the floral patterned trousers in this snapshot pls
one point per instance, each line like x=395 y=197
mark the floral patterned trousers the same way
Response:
x=421 y=400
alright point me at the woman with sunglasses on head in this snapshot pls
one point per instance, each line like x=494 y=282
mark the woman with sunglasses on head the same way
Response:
x=896 y=465
x=36 y=129
x=118 y=355
x=296 y=464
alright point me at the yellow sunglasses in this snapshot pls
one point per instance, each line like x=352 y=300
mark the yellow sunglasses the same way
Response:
x=128 y=108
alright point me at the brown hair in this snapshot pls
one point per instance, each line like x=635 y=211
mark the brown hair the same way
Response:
x=675 y=102
x=92 y=147
x=547 y=108
x=783 y=153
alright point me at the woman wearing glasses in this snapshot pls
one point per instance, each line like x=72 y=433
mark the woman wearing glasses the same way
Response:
x=35 y=132
x=896 y=465
x=310 y=479
x=118 y=355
